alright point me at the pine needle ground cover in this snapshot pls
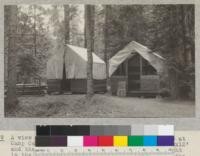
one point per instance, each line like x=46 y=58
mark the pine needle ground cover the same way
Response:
x=100 y=106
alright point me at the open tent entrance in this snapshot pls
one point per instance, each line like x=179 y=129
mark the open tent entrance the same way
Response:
x=137 y=68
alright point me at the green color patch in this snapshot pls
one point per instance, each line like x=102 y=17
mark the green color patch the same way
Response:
x=135 y=141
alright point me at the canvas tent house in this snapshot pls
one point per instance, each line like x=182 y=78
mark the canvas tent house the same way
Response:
x=67 y=71
x=138 y=67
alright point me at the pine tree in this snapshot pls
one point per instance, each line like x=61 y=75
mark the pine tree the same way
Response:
x=11 y=100
x=89 y=21
x=106 y=51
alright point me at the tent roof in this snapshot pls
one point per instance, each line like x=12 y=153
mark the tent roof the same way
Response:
x=131 y=49
x=75 y=60
x=82 y=52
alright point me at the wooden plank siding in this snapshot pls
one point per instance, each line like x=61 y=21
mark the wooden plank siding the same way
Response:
x=76 y=85
x=53 y=85
x=80 y=86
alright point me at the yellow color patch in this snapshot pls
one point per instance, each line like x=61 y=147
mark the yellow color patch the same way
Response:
x=120 y=140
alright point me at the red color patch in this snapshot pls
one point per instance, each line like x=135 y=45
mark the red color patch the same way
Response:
x=105 y=141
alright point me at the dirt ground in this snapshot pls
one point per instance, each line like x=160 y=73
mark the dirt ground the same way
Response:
x=100 y=106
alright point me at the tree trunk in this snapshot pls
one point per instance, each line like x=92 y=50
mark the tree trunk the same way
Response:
x=185 y=56
x=173 y=74
x=35 y=32
x=67 y=23
x=11 y=100
x=173 y=84
x=85 y=38
x=106 y=55
x=188 y=32
x=65 y=85
x=89 y=23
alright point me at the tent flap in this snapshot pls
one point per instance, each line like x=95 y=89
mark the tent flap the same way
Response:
x=134 y=47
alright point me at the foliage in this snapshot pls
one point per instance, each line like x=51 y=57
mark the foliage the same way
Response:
x=173 y=37
x=27 y=66
x=57 y=22
x=33 y=42
x=166 y=29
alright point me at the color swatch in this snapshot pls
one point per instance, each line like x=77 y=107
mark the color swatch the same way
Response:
x=135 y=141
x=75 y=141
x=90 y=141
x=120 y=141
x=150 y=141
x=105 y=140
x=108 y=136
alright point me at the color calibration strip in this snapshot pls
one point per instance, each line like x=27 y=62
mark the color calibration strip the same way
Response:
x=104 y=136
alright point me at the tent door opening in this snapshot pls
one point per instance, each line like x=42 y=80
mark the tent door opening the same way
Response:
x=134 y=73
x=65 y=83
x=141 y=75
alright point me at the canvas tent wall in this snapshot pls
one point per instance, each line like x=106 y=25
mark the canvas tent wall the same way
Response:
x=74 y=63
x=129 y=55
x=75 y=59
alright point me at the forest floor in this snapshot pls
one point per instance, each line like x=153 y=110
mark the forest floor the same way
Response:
x=100 y=106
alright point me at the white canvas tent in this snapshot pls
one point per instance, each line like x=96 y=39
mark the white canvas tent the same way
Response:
x=75 y=60
x=130 y=50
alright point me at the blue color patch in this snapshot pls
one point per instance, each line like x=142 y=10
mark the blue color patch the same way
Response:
x=150 y=140
x=165 y=140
